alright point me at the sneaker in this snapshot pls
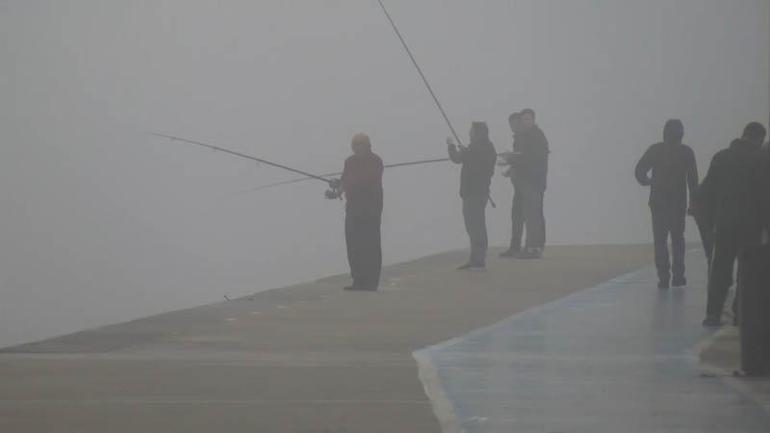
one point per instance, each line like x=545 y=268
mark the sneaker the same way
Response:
x=663 y=285
x=679 y=282
x=510 y=252
x=712 y=322
x=470 y=266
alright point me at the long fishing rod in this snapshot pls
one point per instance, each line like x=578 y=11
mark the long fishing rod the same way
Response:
x=242 y=155
x=424 y=78
x=419 y=71
x=304 y=179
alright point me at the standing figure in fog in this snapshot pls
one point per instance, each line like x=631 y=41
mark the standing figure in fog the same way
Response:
x=674 y=171
x=361 y=184
x=732 y=197
x=478 y=166
x=517 y=208
x=529 y=173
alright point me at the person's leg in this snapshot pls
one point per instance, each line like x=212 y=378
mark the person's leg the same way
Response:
x=532 y=210
x=676 y=227
x=706 y=236
x=517 y=221
x=720 y=278
x=539 y=219
x=483 y=238
x=352 y=241
x=375 y=252
x=473 y=211
x=660 y=239
x=468 y=219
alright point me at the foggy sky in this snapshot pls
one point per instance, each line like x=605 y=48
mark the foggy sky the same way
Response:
x=102 y=223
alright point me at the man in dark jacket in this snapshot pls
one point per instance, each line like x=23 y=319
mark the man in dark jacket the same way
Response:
x=478 y=166
x=517 y=206
x=361 y=184
x=529 y=171
x=674 y=171
x=731 y=198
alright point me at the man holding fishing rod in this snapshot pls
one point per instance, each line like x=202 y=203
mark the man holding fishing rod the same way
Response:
x=361 y=185
x=478 y=166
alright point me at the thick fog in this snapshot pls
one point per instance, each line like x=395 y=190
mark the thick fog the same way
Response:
x=102 y=222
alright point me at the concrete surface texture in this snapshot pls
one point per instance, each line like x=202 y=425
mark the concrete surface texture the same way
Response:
x=303 y=359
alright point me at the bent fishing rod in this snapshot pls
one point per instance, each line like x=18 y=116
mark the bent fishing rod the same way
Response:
x=424 y=79
x=309 y=176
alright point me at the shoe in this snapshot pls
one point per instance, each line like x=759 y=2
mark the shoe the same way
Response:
x=510 y=252
x=531 y=253
x=712 y=322
x=679 y=282
x=470 y=266
x=663 y=285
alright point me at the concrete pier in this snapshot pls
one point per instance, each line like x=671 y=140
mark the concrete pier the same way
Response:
x=312 y=358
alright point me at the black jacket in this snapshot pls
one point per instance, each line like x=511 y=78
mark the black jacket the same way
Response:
x=732 y=195
x=764 y=187
x=478 y=161
x=530 y=163
x=674 y=171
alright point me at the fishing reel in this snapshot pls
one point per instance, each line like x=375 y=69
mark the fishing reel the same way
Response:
x=335 y=190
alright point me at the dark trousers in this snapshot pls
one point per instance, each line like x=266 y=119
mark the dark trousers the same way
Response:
x=669 y=221
x=362 y=236
x=474 y=214
x=706 y=236
x=754 y=280
x=517 y=220
x=726 y=250
x=527 y=213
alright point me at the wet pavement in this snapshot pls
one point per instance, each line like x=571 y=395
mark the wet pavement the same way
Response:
x=618 y=357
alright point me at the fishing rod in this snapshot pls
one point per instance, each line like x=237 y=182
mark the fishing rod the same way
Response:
x=304 y=179
x=419 y=71
x=243 y=155
x=424 y=78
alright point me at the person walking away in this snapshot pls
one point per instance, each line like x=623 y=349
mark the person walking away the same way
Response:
x=361 y=185
x=674 y=172
x=731 y=197
x=478 y=166
x=529 y=170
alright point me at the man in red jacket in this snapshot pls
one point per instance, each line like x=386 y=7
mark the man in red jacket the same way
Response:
x=361 y=184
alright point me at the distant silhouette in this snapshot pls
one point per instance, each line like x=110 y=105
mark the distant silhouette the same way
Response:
x=674 y=171
x=528 y=172
x=478 y=166
x=361 y=185
x=517 y=208
x=731 y=198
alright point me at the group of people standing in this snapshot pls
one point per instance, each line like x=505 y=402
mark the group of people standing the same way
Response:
x=731 y=207
x=527 y=167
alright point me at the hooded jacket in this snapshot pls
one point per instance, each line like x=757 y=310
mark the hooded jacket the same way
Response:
x=674 y=171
